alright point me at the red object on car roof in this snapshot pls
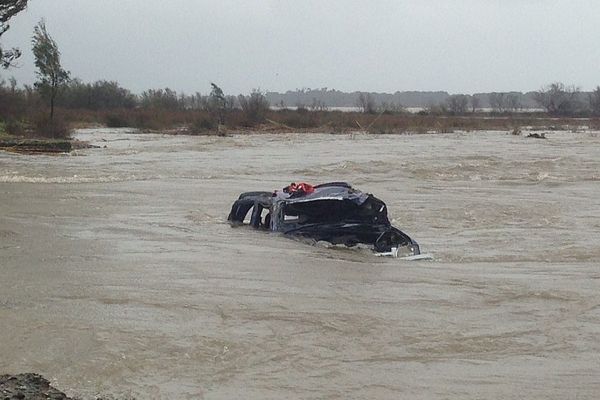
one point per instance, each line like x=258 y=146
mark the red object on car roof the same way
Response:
x=301 y=188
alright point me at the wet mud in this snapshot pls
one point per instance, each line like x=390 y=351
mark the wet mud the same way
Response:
x=28 y=387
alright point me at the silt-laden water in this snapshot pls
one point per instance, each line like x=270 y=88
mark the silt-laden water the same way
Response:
x=119 y=274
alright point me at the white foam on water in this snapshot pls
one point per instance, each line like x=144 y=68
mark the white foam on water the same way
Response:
x=66 y=179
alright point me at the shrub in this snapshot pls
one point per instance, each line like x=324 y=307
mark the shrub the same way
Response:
x=55 y=128
x=255 y=107
x=296 y=119
x=15 y=127
x=117 y=120
x=202 y=124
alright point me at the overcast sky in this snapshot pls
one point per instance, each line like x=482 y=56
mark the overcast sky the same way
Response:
x=379 y=45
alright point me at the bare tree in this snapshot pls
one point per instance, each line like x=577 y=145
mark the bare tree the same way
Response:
x=230 y=103
x=8 y=9
x=160 y=98
x=199 y=102
x=255 y=106
x=498 y=101
x=558 y=99
x=13 y=84
x=318 y=105
x=457 y=103
x=594 y=101
x=475 y=103
x=513 y=102
x=390 y=108
x=436 y=108
x=366 y=103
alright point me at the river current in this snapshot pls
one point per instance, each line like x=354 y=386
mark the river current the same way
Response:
x=119 y=274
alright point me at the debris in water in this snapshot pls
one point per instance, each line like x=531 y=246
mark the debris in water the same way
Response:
x=537 y=136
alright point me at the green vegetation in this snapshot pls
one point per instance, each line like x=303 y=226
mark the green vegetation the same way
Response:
x=51 y=77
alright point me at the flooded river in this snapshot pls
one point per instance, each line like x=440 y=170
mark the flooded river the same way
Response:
x=119 y=274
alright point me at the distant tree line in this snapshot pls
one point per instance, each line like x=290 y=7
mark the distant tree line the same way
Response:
x=115 y=105
x=555 y=99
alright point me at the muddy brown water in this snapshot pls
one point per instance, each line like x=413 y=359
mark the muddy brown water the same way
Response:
x=119 y=274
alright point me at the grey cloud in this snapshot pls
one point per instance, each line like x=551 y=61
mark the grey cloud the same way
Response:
x=465 y=46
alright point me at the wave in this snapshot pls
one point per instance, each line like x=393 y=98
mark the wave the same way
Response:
x=66 y=179
x=89 y=179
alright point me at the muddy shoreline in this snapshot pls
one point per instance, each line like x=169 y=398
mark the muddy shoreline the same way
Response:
x=29 y=386
x=31 y=146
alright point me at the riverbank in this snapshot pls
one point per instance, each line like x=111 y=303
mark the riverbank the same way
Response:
x=29 y=387
x=203 y=123
x=40 y=145
x=34 y=146
x=315 y=122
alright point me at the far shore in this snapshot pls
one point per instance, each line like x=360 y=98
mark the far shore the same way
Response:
x=324 y=122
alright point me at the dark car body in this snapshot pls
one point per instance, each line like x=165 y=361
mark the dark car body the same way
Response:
x=333 y=212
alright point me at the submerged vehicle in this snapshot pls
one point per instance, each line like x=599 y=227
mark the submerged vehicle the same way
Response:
x=333 y=212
